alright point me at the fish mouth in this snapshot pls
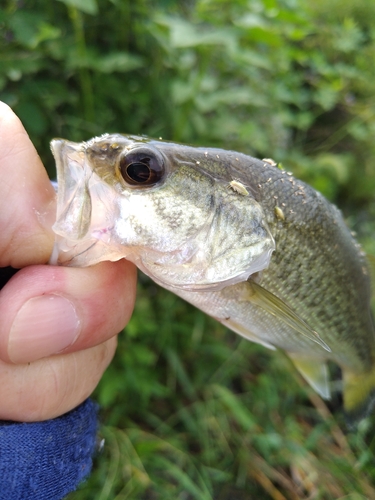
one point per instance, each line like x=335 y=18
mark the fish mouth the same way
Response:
x=73 y=197
x=60 y=147
x=86 y=210
x=73 y=201
x=65 y=153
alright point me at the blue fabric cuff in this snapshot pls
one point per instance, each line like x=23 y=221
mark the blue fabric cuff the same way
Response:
x=47 y=460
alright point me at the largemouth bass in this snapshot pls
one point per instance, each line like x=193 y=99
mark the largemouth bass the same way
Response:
x=241 y=239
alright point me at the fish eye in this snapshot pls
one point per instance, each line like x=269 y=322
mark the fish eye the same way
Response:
x=141 y=168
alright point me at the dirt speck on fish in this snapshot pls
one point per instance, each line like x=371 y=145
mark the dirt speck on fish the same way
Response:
x=292 y=278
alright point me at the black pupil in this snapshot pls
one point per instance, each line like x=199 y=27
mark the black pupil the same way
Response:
x=138 y=172
x=142 y=168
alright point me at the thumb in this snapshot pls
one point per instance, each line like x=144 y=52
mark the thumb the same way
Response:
x=27 y=199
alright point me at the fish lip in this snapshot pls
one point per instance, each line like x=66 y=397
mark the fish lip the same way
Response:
x=77 y=221
x=70 y=168
x=56 y=147
x=62 y=149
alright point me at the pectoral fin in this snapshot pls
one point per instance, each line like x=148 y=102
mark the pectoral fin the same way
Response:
x=314 y=372
x=272 y=304
x=247 y=334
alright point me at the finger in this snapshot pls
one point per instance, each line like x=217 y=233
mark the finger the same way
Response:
x=46 y=310
x=26 y=197
x=52 y=386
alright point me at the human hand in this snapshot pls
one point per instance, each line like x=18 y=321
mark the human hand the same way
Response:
x=58 y=325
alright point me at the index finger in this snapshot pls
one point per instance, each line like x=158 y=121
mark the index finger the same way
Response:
x=27 y=198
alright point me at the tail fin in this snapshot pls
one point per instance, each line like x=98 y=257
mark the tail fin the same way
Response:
x=359 y=395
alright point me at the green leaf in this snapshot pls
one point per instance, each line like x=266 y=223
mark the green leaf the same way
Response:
x=85 y=6
x=46 y=32
x=184 y=34
x=326 y=97
x=30 y=29
x=117 y=61
x=251 y=20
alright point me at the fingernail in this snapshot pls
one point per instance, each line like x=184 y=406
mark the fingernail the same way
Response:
x=43 y=326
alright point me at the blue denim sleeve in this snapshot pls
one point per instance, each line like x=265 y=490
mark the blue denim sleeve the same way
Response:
x=47 y=460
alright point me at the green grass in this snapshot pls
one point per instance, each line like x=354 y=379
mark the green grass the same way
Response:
x=203 y=414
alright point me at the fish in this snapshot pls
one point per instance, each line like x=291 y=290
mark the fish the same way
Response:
x=246 y=242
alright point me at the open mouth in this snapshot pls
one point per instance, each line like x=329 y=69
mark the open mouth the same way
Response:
x=86 y=210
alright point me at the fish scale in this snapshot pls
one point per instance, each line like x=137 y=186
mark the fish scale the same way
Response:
x=244 y=241
x=345 y=300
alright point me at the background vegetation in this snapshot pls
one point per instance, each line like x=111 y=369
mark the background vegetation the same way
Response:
x=189 y=410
